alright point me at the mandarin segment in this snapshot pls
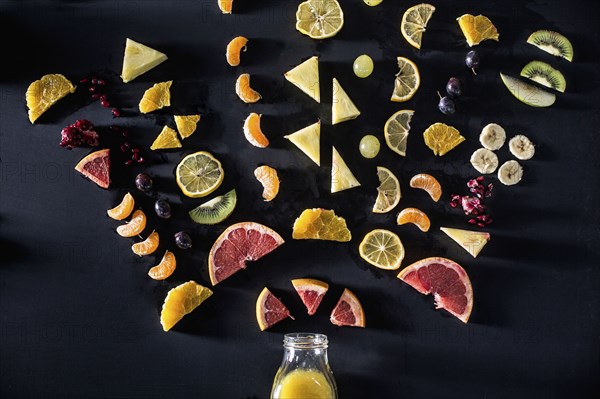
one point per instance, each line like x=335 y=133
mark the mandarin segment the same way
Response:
x=427 y=183
x=253 y=132
x=45 y=92
x=165 y=268
x=124 y=209
x=148 y=246
x=226 y=6
x=234 y=48
x=267 y=176
x=414 y=216
x=246 y=93
x=135 y=226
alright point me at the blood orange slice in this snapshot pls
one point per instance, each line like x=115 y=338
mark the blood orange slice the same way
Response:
x=96 y=167
x=270 y=310
x=311 y=292
x=239 y=243
x=446 y=280
x=348 y=311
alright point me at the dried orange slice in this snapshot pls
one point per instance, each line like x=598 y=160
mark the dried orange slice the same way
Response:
x=442 y=138
x=427 y=183
x=165 y=268
x=253 y=132
x=321 y=224
x=122 y=210
x=348 y=311
x=246 y=93
x=414 y=216
x=477 y=29
x=234 y=48
x=270 y=310
x=45 y=92
x=186 y=124
x=135 y=226
x=225 y=6
x=147 y=246
x=156 y=97
x=267 y=176
x=180 y=301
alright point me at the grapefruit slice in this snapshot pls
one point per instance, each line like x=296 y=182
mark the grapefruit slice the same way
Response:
x=270 y=310
x=348 y=311
x=96 y=167
x=239 y=243
x=446 y=280
x=311 y=292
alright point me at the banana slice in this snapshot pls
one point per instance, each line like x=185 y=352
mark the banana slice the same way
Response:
x=492 y=136
x=484 y=161
x=521 y=147
x=510 y=173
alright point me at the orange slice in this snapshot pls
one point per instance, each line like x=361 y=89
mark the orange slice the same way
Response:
x=348 y=311
x=165 y=268
x=147 y=246
x=441 y=138
x=156 y=97
x=166 y=140
x=427 y=183
x=234 y=48
x=225 y=6
x=135 y=226
x=267 y=176
x=477 y=29
x=270 y=310
x=122 y=210
x=414 y=216
x=180 y=301
x=311 y=292
x=253 y=132
x=186 y=124
x=45 y=92
x=246 y=93
x=96 y=167
x=321 y=224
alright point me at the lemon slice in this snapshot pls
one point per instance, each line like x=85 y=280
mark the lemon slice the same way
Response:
x=319 y=19
x=388 y=192
x=382 y=248
x=341 y=175
x=186 y=124
x=139 y=59
x=396 y=131
x=477 y=29
x=199 y=174
x=407 y=80
x=167 y=139
x=156 y=97
x=44 y=93
x=180 y=301
x=441 y=138
x=308 y=140
x=306 y=77
x=414 y=21
x=342 y=107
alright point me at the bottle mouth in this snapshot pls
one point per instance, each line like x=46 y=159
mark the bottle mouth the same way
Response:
x=305 y=340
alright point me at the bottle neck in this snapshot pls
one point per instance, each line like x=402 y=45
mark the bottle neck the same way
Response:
x=305 y=350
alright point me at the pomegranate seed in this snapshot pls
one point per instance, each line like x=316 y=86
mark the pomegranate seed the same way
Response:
x=105 y=104
x=92 y=88
x=94 y=81
x=489 y=221
x=453 y=204
x=136 y=150
x=480 y=179
x=480 y=224
x=127 y=145
x=129 y=162
x=103 y=97
x=141 y=160
x=472 y=221
x=84 y=80
x=101 y=82
x=136 y=156
x=116 y=113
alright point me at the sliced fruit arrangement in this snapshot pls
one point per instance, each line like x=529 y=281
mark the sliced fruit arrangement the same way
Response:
x=165 y=268
x=139 y=59
x=311 y=292
x=553 y=43
x=234 y=49
x=156 y=97
x=216 y=210
x=407 y=80
x=319 y=19
x=484 y=161
x=267 y=176
x=199 y=174
x=342 y=177
x=270 y=310
x=382 y=248
x=306 y=77
x=471 y=241
x=342 y=107
x=396 y=131
x=45 y=92
x=441 y=138
x=414 y=22
x=96 y=167
x=510 y=173
x=320 y=224
x=477 y=29
x=492 y=136
x=238 y=244
x=135 y=226
x=348 y=311
x=253 y=132
x=166 y=140
x=181 y=301
x=308 y=140
x=414 y=216
x=226 y=6
x=545 y=75
x=427 y=183
x=521 y=147
x=446 y=280
x=124 y=209
x=148 y=246
x=246 y=93
x=528 y=93
x=186 y=124
x=388 y=191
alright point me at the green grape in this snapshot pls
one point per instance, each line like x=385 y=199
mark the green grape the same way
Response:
x=369 y=146
x=363 y=66
x=372 y=3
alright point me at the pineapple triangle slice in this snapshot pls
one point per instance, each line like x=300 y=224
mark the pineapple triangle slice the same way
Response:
x=167 y=139
x=471 y=241
x=139 y=59
x=341 y=176
x=306 y=77
x=342 y=107
x=308 y=141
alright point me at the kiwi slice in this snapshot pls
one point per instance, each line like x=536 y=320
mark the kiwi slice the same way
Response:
x=553 y=43
x=216 y=210
x=545 y=75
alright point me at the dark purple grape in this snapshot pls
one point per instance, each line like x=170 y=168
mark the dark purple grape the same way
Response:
x=183 y=240
x=472 y=60
x=446 y=105
x=143 y=182
x=162 y=208
x=453 y=87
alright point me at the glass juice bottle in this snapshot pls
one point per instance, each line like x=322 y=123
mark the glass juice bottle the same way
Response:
x=304 y=372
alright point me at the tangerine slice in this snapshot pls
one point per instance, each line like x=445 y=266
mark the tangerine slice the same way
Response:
x=234 y=48
x=186 y=124
x=267 y=176
x=253 y=132
x=45 y=92
x=165 y=268
x=414 y=216
x=311 y=292
x=180 y=301
x=429 y=184
x=348 y=311
x=270 y=310
x=246 y=93
x=441 y=138
x=135 y=226
x=122 y=210
x=156 y=97
x=225 y=6
x=147 y=246
x=320 y=224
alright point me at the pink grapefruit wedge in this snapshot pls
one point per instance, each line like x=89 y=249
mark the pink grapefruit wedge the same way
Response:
x=446 y=280
x=311 y=292
x=348 y=311
x=96 y=167
x=270 y=310
x=239 y=243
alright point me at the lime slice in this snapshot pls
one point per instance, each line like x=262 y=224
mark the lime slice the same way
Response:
x=396 y=131
x=382 y=249
x=199 y=174
x=319 y=19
